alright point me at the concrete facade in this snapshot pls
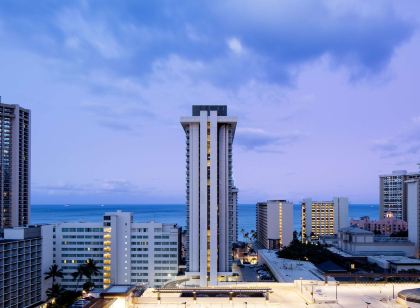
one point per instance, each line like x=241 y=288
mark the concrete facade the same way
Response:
x=359 y=242
x=323 y=217
x=413 y=207
x=274 y=223
x=211 y=197
x=393 y=193
x=125 y=251
x=21 y=267
x=15 y=164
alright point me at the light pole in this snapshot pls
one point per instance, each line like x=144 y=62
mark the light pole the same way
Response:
x=246 y=304
x=393 y=291
x=185 y=304
x=336 y=290
x=367 y=304
x=301 y=285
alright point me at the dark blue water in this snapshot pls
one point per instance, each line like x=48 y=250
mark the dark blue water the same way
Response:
x=166 y=213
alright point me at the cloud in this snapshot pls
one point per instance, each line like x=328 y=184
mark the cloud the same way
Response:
x=280 y=36
x=256 y=139
x=406 y=143
x=235 y=45
x=98 y=187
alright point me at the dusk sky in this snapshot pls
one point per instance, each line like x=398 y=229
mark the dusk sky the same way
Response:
x=327 y=94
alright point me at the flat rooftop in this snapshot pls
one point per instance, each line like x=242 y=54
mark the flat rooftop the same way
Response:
x=287 y=270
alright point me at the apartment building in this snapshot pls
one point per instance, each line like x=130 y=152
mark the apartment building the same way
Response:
x=413 y=206
x=323 y=217
x=210 y=192
x=14 y=165
x=274 y=223
x=393 y=193
x=125 y=251
x=21 y=267
x=385 y=226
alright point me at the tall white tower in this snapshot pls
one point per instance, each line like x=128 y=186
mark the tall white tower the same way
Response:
x=211 y=195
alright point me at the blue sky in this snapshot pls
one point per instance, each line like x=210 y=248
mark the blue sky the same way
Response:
x=326 y=94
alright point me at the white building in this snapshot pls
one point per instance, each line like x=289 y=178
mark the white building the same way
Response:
x=211 y=196
x=74 y=243
x=126 y=252
x=393 y=193
x=413 y=208
x=147 y=253
x=274 y=223
x=323 y=217
x=359 y=242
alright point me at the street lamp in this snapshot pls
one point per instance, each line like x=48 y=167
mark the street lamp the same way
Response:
x=246 y=304
x=367 y=304
x=300 y=285
x=393 y=291
x=185 y=304
x=336 y=289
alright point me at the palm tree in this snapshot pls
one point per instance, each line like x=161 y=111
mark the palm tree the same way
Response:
x=53 y=272
x=55 y=291
x=92 y=268
x=78 y=274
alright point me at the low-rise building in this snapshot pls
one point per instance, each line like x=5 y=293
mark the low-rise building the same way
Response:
x=359 y=242
x=385 y=226
x=274 y=223
x=323 y=217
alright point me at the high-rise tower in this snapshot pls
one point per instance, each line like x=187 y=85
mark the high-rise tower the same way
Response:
x=211 y=195
x=14 y=165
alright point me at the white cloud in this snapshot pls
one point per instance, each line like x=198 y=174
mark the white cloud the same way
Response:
x=235 y=45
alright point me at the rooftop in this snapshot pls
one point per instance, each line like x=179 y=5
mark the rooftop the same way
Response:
x=221 y=109
x=355 y=230
x=287 y=270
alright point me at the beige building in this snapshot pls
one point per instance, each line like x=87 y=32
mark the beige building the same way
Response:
x=323 y=217
x=274 y=223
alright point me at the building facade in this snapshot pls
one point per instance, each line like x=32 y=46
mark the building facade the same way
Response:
x=321 y=218
x=274 y=223
x=385 y=226
x=359 y=242
x=393 y=193
x=21 y=267
x=14 y=165
x=126 y=252
x=413 y=206
x=210 y=192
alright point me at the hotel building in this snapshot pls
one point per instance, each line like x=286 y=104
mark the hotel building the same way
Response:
x=384 y=226
x=274 y=223
x=21 y=270
x=393 y=193
x=210 y=192
x=14 y=165
x=413 y=206
x=126 y=252
x=323 y=217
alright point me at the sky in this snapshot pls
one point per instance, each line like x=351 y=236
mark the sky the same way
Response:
x=326 y=93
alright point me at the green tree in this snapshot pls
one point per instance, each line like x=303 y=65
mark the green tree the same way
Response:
x=53 y=272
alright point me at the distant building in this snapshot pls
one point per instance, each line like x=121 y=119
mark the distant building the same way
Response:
x=393 y=193
x=15 y=159
x=125 y=251
x=413 y=206
x=385 y=226
x=323 y=217
x=359 y=242
x=274 y=223
x=74 y=243
x=21 y=267
x=210 y=192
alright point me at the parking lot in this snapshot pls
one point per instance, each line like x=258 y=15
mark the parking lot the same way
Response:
x=254 y=273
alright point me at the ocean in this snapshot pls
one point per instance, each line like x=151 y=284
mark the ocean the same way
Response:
x=166 y=213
